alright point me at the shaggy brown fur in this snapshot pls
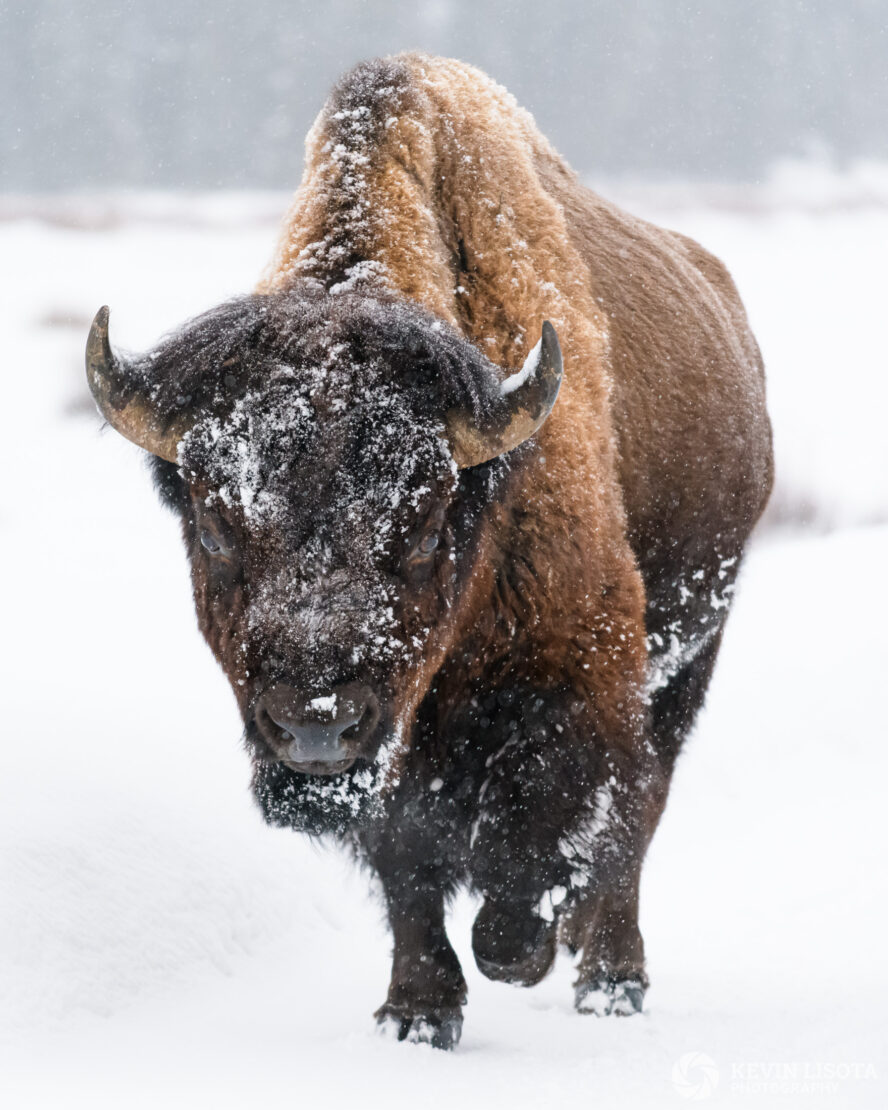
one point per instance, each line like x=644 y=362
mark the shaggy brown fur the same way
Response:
x=545 y=657
x=655 y=464
x=423 y=173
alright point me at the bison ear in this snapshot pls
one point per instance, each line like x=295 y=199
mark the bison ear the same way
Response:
x=526 y=400
x=122 y=397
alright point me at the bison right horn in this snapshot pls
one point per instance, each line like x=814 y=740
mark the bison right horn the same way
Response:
x=529 y=396
x=121 y=396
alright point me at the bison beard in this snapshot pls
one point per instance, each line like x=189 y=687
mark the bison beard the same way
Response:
x=467 y=637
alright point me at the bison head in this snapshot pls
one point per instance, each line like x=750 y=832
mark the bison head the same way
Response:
x=331 y=457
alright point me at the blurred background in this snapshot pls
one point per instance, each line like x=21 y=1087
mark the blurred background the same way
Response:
x=212 y=94
x=158 y=945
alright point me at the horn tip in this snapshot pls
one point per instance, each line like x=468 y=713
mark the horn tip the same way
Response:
x=550 y=337
x=551 y=349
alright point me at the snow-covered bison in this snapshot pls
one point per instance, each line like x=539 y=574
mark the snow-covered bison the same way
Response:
x=469 y=599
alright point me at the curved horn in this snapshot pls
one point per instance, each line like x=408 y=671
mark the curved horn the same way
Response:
x=529 y=396
x=120 y=397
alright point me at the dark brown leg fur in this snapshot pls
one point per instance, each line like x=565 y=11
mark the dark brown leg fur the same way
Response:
x=674 y=708
x=611 y=978
x=427 y=989
x=611 y=975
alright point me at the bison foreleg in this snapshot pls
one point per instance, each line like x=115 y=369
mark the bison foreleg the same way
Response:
x=427 y=989
x=536 y=778
x=562 y=826
x=611 y=976
x=606 y=852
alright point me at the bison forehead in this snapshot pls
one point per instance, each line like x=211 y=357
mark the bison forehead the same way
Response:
x=291 y=453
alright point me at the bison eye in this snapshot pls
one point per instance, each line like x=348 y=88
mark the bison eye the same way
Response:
x=428 y=543
x=210 y=542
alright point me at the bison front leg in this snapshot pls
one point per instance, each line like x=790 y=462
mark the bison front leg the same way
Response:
x=427 y=990
x=561 y=829
x=606 y=854
x=603 y=927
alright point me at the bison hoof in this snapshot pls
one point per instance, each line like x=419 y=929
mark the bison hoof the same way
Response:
x=603 y=997
x=440 y=1030
x=513 y=947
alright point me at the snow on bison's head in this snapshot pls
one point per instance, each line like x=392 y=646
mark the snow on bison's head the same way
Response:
x=331 y=457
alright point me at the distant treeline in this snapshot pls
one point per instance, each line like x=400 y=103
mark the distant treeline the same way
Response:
x=216 y=93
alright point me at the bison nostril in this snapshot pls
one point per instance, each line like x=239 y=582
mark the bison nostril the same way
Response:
x=357 y=726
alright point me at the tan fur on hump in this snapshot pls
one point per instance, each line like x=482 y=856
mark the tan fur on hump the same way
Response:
x=431 y=184
x=461 y=149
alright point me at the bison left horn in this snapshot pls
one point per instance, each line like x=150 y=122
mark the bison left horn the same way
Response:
x=121 y=395
x=527 y=399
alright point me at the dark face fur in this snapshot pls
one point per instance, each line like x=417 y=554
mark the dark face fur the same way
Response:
x=327 y=526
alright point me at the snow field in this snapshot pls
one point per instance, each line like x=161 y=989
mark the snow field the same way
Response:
x=159 y=945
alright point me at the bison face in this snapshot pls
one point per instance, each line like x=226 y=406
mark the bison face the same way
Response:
x=327 y=454
x=323 y=558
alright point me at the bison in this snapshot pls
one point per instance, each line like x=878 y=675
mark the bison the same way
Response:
x=465 y=485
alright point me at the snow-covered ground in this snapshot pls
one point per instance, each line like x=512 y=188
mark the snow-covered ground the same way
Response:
x=160 y=946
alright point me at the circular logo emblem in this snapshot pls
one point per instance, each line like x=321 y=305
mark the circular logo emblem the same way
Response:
x=695 y=1075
